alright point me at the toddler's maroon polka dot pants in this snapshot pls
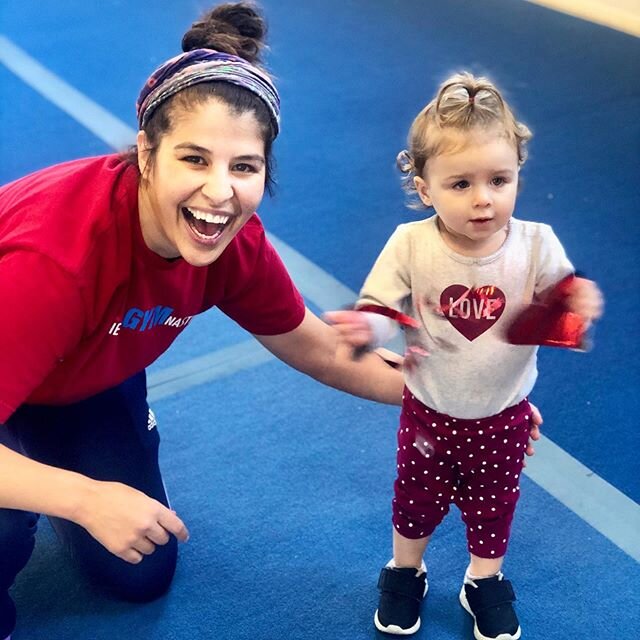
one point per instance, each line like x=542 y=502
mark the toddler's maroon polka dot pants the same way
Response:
x=475 y=464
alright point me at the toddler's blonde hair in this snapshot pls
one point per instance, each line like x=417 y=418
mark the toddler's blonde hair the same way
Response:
x=463 y=104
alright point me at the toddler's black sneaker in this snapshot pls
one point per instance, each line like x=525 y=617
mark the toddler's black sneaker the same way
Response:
x=401 y=595
x=490 y=602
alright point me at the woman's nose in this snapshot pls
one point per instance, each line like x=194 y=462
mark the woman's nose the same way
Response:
x=217 y=188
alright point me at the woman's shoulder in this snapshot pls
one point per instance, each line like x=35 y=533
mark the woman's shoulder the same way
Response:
x=66 y=211
x=71 y=190
x=60 y=180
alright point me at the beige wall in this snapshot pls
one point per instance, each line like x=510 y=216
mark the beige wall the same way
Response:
x=623 y=15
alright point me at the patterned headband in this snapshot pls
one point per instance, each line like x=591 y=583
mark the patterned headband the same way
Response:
x=206 y=65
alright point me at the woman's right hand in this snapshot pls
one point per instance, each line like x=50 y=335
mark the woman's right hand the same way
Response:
x=352 y=326
x=126 y=521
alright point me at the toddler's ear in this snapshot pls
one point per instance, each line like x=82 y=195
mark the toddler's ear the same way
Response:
x=423 y=190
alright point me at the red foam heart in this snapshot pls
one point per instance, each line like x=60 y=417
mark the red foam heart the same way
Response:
x=472 y=311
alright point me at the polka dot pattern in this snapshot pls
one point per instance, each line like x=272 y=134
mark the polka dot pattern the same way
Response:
x=474 y=464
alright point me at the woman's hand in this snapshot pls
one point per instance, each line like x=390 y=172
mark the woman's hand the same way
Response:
x=126 y=521
x=352 y=326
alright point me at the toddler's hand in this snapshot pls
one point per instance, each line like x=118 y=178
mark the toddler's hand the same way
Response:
x=534 y=432
x=585 y=299
x=353 y=327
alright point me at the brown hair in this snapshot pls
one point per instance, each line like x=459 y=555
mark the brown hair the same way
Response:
x=235 y=28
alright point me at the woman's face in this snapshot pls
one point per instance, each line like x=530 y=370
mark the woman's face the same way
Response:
x=206 y=180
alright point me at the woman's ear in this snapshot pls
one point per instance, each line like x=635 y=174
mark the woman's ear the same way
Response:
x=144 y=151
x=423 y=191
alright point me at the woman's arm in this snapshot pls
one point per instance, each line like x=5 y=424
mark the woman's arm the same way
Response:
x=43 y=321
x=315 y=348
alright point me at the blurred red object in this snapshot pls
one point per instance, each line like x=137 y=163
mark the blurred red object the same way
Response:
x=550 y=323
x=401 y=318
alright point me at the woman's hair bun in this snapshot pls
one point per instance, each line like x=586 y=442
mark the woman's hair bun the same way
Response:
x=236 y=28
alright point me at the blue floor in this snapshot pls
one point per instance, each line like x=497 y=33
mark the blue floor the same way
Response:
x=286 y=485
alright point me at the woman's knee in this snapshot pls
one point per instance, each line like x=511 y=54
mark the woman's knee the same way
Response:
x=17 y=540
x=142 y=582
x=151 y=578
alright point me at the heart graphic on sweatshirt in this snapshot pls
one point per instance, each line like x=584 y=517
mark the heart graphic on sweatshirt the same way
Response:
x=472 y=311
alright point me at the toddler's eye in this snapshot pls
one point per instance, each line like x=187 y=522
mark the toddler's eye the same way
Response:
x=498 y=181
x=462 y=184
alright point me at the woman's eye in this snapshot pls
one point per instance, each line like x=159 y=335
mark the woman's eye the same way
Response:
x=243 y=167
x=193 y=159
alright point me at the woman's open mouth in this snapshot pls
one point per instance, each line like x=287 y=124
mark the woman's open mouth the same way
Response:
x=207 y=227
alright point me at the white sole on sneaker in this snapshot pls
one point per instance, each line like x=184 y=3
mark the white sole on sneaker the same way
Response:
x=476 y=632
x=394 y=628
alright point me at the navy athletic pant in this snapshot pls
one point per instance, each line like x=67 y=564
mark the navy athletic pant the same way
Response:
x=111 y=436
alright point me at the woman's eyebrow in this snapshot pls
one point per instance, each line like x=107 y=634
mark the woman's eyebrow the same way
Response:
x=251 y=158
x=193 y=147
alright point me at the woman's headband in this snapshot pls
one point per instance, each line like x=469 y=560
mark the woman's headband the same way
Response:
x=206 y=65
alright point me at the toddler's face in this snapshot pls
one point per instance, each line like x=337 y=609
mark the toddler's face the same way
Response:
x=473 y=190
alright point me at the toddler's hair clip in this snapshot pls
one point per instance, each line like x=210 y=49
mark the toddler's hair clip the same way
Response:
x=404 y=161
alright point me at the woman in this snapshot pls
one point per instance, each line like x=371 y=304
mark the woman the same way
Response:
x=103 y=262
